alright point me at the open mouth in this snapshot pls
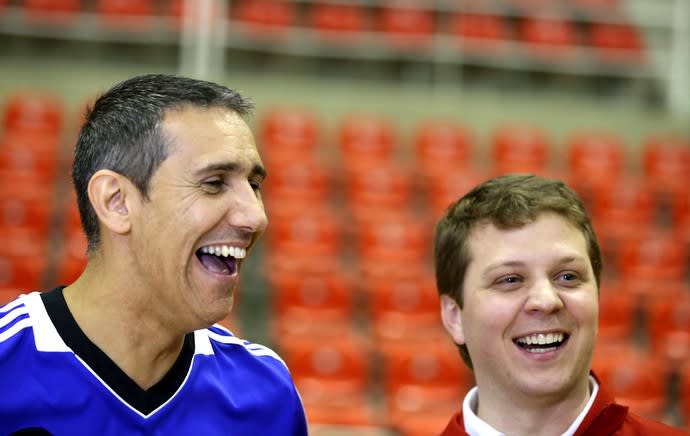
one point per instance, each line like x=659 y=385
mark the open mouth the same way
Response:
x=542 y=342
x=221 y=259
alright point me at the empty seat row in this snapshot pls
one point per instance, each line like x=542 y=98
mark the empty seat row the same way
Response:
x=441 y=145
x=409 y=24
x=284 y=12
x=402 y=23
x=366 y=166
x=33 y=111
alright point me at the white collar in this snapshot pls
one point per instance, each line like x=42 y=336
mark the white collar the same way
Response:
x=475 y=426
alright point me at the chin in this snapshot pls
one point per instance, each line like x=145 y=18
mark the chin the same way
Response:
x=214 y=311
x=550 y=385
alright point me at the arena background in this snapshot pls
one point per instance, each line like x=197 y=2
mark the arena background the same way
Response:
x=342 y=282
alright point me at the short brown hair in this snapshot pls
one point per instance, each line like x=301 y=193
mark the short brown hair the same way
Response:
x=507 y=202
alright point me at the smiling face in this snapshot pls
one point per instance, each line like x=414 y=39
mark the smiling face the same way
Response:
x=530 y=312
x=203 y=213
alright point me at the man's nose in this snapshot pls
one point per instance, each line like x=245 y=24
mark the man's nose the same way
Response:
x=247 y=210
x=544 y=297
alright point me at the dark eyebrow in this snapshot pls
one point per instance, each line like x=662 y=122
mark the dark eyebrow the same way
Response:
x=230 y=167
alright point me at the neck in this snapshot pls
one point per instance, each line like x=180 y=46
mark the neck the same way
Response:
x=533 y=416
x=117 y=318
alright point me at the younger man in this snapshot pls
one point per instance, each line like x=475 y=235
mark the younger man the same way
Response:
x=518 y=268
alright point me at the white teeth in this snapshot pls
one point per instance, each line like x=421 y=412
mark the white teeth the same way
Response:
x=225 y=251
x=541 y=339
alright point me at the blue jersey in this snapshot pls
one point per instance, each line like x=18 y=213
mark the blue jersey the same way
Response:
x=55 y=381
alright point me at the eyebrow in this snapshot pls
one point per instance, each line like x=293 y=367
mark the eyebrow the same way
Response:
x=230 y=167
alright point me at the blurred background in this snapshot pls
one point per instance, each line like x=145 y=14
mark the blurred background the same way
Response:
x=372 y=116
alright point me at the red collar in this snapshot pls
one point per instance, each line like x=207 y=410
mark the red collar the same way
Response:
x=603 y=418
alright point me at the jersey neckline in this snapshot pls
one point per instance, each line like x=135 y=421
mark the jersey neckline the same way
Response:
x=143 y=400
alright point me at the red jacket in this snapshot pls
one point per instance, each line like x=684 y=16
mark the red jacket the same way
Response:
x=605 y=418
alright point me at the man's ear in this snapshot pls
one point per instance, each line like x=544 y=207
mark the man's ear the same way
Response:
x=111 y=195
x=451 y=315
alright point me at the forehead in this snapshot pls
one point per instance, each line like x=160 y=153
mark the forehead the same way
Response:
x=548 y=234
x=204 y=135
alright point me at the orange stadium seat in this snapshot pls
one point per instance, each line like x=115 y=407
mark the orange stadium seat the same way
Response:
x=176 y=10
x=32 y=154
x=125 y=8
x=423 y=376
x=666 y=163
x=393 y=248
x=302 y=240
x=444 y=189
x=627 y=200
x=658 y=258
x=36 y=111
x=317 y=324
x=264 y=16
x=442 y=147
x=306 y=297
x=594 y=159
x=407 y=327
x=279 y=262
x=328 y=369
x=638 y=380
x=406 y=24
x=317 y=231
x=622 y=210
x=339 y=22
x=289 y=133
x=617 y=312
x=378 y=192
x=20 y=266
x=365 y=141
x=303 y=181
x=415 y=296
x=668 y=325
x=125 y=13
x=24 y=204
x=54 y=10
x=480 y=33
x=400 y=306
x=548 y=38
x=354 y=413
x=616 y=42
x=520 y=148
